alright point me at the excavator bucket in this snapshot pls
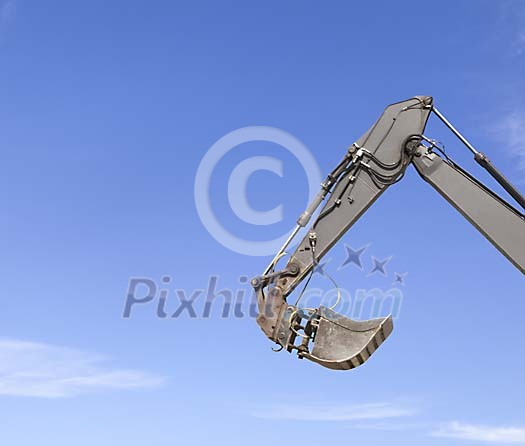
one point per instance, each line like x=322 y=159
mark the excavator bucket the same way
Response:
x=341 y=343
x=320 y=335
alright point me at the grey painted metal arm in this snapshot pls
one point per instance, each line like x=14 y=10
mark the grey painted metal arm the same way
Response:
x=375 y=162
x=499 y=222
x=382 y=146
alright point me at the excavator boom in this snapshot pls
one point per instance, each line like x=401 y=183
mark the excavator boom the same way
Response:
x=372 y=164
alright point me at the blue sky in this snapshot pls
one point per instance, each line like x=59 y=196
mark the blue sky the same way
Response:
x=106 y=111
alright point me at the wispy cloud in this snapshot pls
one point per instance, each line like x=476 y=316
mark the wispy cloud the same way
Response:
x=390 y=426
x=511 y=26
x=7 y=13
x=49 y=371
x=390 y=417
x=511 y=132
x=520 y=43
x=335 y=412
x=480 y=433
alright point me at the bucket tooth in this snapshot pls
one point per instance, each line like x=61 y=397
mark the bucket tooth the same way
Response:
x=341 y=343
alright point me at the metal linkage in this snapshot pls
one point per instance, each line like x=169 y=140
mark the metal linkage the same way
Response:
x=484 y=162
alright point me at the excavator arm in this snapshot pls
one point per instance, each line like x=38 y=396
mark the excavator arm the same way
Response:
x=375 y=162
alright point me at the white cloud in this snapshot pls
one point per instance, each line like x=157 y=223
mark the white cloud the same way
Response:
x=520 y=42
x=7 y=13
x=390 y=426
x=390 y=417
x=334 y=412
x=479 y=433
x=511 y=132
x=49 y=371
